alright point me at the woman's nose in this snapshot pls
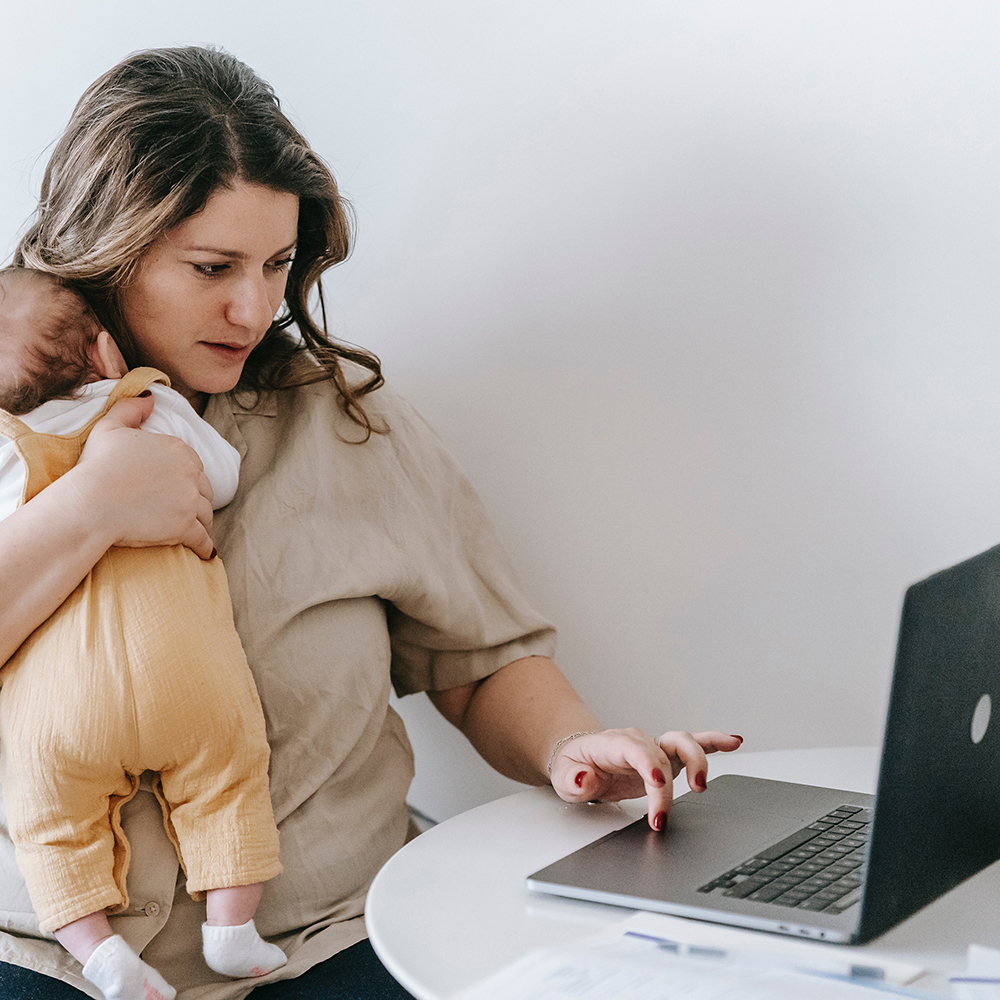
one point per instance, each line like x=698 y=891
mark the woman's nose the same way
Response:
x=250 y=305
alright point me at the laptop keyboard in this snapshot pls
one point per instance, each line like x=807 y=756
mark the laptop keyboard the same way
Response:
x=819 y=868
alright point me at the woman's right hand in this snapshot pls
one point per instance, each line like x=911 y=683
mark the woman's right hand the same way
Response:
x=151 y=489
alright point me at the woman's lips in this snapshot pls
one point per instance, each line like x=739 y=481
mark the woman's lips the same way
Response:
x=232 y=352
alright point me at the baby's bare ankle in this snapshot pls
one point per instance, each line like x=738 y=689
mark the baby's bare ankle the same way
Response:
x=232 y=906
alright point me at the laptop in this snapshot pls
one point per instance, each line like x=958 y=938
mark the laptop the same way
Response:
x=835 y=865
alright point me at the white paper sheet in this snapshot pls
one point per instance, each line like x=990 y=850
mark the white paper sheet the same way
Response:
x=982 y=975
x=623 y=969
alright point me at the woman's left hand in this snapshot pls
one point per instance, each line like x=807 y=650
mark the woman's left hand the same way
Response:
x=627 y=763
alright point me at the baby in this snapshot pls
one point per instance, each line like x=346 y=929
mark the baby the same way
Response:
x=140 y=669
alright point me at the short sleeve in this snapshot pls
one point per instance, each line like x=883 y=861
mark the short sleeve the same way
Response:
x=459 y=612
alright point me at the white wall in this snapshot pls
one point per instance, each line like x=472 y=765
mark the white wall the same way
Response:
x=703 y=295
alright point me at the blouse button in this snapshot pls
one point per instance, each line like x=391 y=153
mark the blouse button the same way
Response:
x=151 y=909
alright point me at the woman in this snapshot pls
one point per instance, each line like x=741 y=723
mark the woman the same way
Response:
x=198 y=221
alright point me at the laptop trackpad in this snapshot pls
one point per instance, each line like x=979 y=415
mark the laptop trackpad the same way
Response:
x=706 y=835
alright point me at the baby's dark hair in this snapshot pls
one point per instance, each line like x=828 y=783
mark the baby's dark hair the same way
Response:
x=46 y=330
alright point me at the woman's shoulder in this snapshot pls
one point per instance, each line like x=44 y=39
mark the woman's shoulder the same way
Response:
x=387 y=412
x=301 y=441
x=314 y=419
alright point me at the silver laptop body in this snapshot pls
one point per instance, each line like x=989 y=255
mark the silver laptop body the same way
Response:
x=934 y=822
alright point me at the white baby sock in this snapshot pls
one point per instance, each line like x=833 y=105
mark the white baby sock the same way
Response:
x=118 y=972
x=240 y=951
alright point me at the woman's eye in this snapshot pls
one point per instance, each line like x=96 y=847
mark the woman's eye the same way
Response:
x=281 y=265
x=210 y=270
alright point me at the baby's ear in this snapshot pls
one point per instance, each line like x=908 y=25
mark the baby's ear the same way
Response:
x=106 y=357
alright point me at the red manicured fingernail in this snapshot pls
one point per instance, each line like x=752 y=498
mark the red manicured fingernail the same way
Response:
x=145 y=393
x=735 y=737
x=699 y=780
x=659 y=820
x=579 y=779
x=215 y=552
x=658 y=776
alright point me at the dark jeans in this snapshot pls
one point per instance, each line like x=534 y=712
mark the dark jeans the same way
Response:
x=354 y=974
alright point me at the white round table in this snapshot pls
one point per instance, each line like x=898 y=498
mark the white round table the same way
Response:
x=451 y=907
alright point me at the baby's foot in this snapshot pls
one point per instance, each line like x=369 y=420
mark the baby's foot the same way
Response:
x=118 y=972
x=240 y=951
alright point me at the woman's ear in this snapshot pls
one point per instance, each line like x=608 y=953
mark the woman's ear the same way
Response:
x=106 y=358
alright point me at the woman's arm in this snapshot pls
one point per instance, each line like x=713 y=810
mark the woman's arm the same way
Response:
x=129 y=488
x=515 y=718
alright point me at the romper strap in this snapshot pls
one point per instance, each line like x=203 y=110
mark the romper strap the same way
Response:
x=48 y=456
x=11 y=427
x=136 y=381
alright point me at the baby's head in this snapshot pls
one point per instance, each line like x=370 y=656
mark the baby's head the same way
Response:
x=51 y=343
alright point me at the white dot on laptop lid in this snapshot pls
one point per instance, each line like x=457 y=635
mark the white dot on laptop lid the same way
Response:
x=981 y=718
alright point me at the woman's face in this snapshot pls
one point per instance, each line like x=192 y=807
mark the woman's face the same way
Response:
x=206 y=291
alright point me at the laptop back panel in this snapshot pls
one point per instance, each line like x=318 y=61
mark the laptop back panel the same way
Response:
x=937 y=813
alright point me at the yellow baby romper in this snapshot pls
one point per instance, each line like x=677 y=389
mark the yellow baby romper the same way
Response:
x=139 y=669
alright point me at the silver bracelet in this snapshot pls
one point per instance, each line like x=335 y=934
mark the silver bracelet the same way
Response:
x=561 y=744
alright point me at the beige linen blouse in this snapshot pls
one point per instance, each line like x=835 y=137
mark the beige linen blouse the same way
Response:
x=351 y=567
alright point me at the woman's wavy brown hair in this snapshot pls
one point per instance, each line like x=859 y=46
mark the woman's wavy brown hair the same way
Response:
x=146 y=146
